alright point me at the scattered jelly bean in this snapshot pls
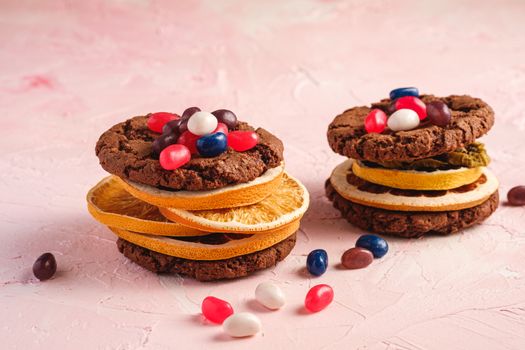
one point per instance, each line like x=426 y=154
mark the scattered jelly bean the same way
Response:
x=216 y=310
x=438 y=113
x=202 y=123
x=212 y=145
x=242 y=141
x=375 y=121
x=174 y=156
x=404 y=91
x=413 y=103
x=270 y=295
x=377 y=245
x=156 y=121
x=189 y=140
x=319 y=297
x=221 y=127
x=516 y=196
x=45 y=266
x=317 y=262
x=188 y=112
x=226 y=117
x=242 y=324
x=403 y=119
x=357 y=258
x=162 y=142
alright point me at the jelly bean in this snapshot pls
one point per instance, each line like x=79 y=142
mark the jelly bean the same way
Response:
x=156 y=121
x=162 y=142
x=438 y=113
x=202 y=123
x=516 y=196
x=413 y=103
x=375 y=121
x=377 y=245
x=216 y=310
x=174 y=156
x=242 y=324
x=319 y=297
x=317 y=262
x=212 y=145
x=404 y=91
x=403 y=119
x=242 y=141
x=189 y=140
x=188 y=112
x=357 y=258
x=221 y=127
x=172 y=126
x=270 y=295
x=226 y=117
x=45 y=266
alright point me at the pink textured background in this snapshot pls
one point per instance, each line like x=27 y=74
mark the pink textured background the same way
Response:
x=71 y=69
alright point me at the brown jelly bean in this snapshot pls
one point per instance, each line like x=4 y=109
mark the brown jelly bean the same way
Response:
x=357 y=258
x=516 y=195
x=438 y=113
x=45 y=266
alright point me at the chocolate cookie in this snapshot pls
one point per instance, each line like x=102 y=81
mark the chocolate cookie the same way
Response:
x=125 y=151
x=208 y=270
x=471 y=118
x=410 y=224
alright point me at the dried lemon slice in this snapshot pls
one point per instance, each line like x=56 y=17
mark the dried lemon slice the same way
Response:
x=286 y=204
x=227 y=197
x=198 y=251
x=110 y=204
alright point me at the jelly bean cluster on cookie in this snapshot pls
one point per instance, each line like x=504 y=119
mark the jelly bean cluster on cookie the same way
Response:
x=406 y=112
x=196 y=132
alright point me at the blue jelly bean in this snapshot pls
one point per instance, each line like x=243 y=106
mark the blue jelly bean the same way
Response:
x=317 y=262
x=212 y=145
x=404 y=91
x=377 y=245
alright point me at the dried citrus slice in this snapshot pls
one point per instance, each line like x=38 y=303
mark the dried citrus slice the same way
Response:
x=110 y=204
x=200 y=251
x=417 y=180
x=286 y=204
x=227 y=197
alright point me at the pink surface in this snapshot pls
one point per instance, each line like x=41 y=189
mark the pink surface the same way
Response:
x=69 y=70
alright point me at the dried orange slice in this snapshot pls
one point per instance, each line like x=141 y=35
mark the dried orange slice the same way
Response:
x=288 y=203
x=110 y=204
x=227 y=197
x=199 y=251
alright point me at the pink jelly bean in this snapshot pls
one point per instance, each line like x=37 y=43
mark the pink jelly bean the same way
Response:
x=216 y=310
x=242 y=140
x=319 y=297
x=375 y=121
x=221 y=127
x=174 y=156
x=413 y=103
x=156 y=121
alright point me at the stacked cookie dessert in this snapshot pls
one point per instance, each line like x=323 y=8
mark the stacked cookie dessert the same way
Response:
x=414 y=165
x=201 y=194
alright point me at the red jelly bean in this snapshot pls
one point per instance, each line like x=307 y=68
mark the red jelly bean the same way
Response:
x=221 y=127
x=242 y=140
x=216 y=310
x=174 y=156
x=413 y=103
x=189 y=140
x=319 y=297
x=375 y=121
x=156 y=121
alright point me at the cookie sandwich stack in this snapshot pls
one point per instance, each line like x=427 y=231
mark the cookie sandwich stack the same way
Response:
x=414 y=166
x=201 y=195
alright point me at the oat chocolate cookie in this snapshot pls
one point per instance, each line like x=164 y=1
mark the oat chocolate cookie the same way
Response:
x=471 y=118
x=125 y=151
x=236 y=267
x=410 y=224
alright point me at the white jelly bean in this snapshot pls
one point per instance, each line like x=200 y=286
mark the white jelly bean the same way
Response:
x=202 y=123
x=403 y=119
x=242 y=324
x=270 y=295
